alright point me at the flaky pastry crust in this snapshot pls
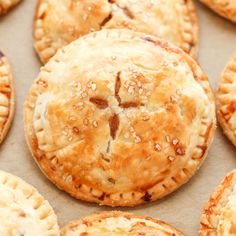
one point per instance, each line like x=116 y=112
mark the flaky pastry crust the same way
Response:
x=226 y=100
x=225 y=8
x=23 y=211
x=220 y=212
x=59 y=22
x=120 y=118
x=5 y=5
x=7 y=96
x=117 y=224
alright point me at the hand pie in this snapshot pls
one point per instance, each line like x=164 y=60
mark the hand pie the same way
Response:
x=120 y=118
x=225 y=8
x=118 y=224
x=219 y=216
x=7 y=96
x=226 y=100
x=59 y=22
x=5 y=5
x=23 y=211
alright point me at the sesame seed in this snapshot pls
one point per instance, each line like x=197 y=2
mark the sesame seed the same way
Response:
x=173 y=98
x=178 y=92
x=113 y=57
x=95 y=124
x=171 y=158
x=89 y=8
x=157 y=147
x=72 y=118
x=137 y=139
x=175 y=141
x=94 y=86
x=64 y=133
x=168 y=138
x=146 y=118
x=86 y=122
x=70 y=139
x=140 y=91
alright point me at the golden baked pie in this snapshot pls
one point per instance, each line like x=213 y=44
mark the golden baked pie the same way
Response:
x=7 y=96
x=59 y=22
x=5 y=5
x=120 y=118
x=225 y=8
x=226 y=100
x=23 y=211
x=219 y=216
x=119 y=224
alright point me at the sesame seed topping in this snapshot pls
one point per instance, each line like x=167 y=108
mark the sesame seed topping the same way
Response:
x=168 y=138
x=146 y=118
x=72 y=118
x=175 y=141
x=113 y=57
x=173 y=99
x=89 y=8
x=157 y=147
x=95 y=124
x=86 y=122
x=93 y=86
x=171 y=158
x=70 y=139
x=138 y=139
x=178 y=92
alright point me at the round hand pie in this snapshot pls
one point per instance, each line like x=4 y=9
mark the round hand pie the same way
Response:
x=226 y=100
x=120 y=118
x=7 y=96
x=5 y=5
x=118 y=224
x=23 y=211
x=219 y=217
x=225 y=8
x=59 y=22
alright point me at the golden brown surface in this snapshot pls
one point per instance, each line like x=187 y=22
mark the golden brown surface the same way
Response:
x=59 y=22
x=7 y=96
x=5 y=5
x=119 y=224
x=120 y=118
x=225 y=8
x=220 y=212
x=226 y=100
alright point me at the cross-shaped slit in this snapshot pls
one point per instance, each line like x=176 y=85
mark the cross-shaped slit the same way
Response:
x=114 y=120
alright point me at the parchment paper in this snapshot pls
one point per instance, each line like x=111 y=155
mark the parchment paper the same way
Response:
x=182 y=208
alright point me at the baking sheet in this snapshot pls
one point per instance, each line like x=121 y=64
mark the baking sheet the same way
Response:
x=182 y=208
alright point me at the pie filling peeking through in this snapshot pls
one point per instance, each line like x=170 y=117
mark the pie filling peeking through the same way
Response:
x=59 y=22
x=118 y=224
x=219 y=216
x=120 y=118
x=23 y=211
